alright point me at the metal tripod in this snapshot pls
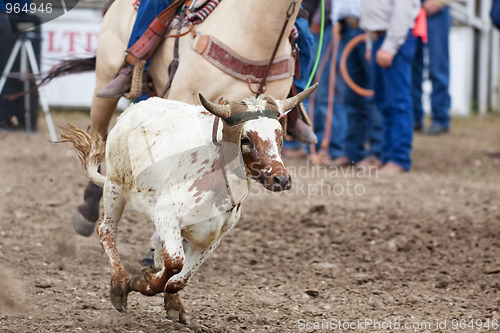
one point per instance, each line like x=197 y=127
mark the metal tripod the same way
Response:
x=24 y=47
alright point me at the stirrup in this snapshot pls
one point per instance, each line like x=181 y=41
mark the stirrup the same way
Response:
x=136 y=83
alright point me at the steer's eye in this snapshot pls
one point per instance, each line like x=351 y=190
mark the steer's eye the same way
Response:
x=246 y=142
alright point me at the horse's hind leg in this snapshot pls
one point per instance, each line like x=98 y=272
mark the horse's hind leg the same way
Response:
x=100 y=115
x=88 y=213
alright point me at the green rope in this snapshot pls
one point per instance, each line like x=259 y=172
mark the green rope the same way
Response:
x=320 y=44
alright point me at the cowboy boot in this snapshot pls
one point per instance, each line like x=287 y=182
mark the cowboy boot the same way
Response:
x=119 y=85
x=298 y=128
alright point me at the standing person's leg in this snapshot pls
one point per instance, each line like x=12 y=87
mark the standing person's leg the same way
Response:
x=398 y=107
x=355 y=105
x=364 y=119
x=338 y=126
x=375 y=131
x=416 y=84
x=439 y=70
x=321 y=94
x=380 y=104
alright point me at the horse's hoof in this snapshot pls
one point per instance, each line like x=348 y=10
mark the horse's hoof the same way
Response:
x=82 y=226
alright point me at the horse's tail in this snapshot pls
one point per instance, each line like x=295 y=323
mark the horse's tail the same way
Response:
x=71 y=66
x=91 y=153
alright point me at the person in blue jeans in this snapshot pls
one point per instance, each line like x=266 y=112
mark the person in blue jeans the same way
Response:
x=391 y=47
x=336 y=144
x=364 y=120
x=438 y=30
x=495 y=19
x=338 y=126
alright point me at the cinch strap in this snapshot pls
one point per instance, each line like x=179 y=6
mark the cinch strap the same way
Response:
x=251 y=115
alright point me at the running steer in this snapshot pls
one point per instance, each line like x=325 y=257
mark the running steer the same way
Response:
x=175 y=164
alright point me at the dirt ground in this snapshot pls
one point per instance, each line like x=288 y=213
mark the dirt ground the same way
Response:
x=420 y=249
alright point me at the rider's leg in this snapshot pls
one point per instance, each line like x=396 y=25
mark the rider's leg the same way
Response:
x=139 y=46
x=297 y=127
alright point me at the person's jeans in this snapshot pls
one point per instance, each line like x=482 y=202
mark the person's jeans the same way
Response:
x=339 y=121
x=392 y=97
x=364 y=120
x=438 y=27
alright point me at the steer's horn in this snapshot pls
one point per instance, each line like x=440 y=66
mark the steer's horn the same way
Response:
x=222 y=111
x=290 y=103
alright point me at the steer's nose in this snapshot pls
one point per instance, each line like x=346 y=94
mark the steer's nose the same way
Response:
x=281 y=183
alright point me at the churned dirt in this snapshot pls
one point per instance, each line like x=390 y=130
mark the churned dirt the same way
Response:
x=422 y=248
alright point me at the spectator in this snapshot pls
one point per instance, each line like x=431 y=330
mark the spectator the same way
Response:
x=495 y=18
x=390 y=48
x=438 y=26
x=364 y=121
x=338 y=127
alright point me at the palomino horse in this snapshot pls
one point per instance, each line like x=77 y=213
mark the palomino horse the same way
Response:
x=188 y=179
x=248 y=27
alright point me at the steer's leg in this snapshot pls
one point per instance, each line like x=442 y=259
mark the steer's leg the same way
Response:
x=114 y=202
x=203 y=238
x=153 y=280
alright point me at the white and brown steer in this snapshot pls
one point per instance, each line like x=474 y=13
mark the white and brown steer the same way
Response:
x=188 y=175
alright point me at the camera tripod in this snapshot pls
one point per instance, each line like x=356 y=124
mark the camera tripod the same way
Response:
x=24 y=48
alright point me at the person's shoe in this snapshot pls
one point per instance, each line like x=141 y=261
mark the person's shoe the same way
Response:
x=418 y=128
x=434 y=130
x=295 y=153
x=369 y=163
x=119 y=85
x=338 y=162
x=391 y=169
x=495 y=153
x=302 y=132
x=148 y=260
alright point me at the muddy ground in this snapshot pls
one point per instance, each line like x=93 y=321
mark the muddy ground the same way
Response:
x=422 y=248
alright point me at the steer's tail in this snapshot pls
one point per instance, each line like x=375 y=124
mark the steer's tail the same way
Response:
x=91 y=153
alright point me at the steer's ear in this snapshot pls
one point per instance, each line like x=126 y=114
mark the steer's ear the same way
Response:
x=290 y=103
x=272 y=104
x=218 y=110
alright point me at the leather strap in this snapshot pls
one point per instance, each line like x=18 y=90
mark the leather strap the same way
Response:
x=215 y=129
x=240 y=67
x=172 y=68
x=251 y=115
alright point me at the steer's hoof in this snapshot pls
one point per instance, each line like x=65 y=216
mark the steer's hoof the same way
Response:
x=174 y=308
x=119 y=301
x=176 y=315
x=118 y=294
x=82 y=226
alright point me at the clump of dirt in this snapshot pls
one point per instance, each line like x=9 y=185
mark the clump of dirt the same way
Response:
x=12 y=294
